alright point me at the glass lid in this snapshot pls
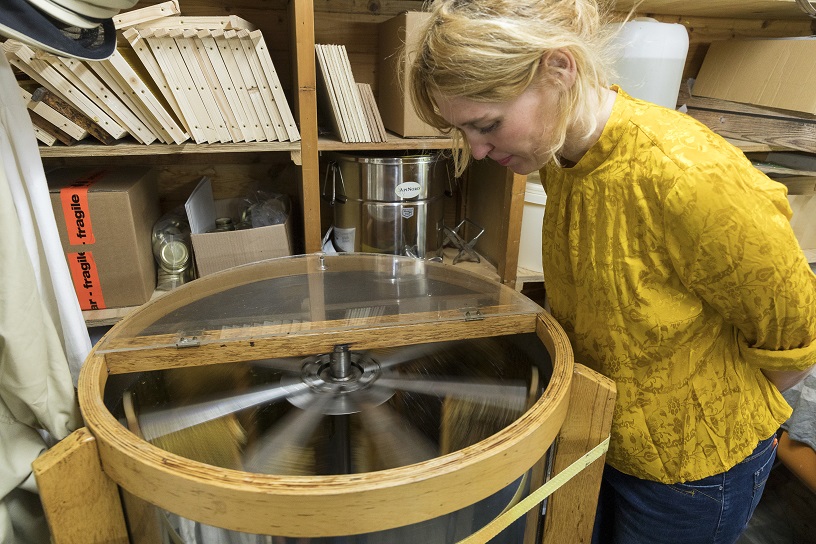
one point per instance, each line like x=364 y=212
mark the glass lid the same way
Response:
x=312 y=294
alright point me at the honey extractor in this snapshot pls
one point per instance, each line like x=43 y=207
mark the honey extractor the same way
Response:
x=353 y=398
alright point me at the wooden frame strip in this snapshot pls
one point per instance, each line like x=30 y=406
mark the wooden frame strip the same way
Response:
x=225 y=81
x=53 y=116
x=178 y=87
x=189 y=58
x=132 y=83
x=263 y=86
x=218 y=92
x=233 y=45
x=85 y=80
x=41 y=71
x=149 y=13
x=41 y=94
x=151 y=65
x=241 y=86
x=274 y=83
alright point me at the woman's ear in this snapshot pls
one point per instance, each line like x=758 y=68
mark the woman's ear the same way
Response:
x=560 y=64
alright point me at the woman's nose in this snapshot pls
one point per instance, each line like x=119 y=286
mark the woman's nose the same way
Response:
x=479 y=149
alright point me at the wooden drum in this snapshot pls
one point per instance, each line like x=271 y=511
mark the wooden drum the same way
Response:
x=354 y=398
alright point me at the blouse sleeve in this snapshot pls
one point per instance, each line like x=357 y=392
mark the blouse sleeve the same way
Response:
x=728 y=233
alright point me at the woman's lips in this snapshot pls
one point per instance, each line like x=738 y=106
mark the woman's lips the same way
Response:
x=505 y=161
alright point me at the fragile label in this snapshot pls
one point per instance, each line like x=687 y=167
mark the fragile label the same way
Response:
x=74 y=199
x=86 y=280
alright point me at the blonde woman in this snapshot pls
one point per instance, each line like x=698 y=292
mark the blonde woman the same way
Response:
x=668 y=259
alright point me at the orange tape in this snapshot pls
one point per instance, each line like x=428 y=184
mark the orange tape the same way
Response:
x=74 y=199
x=86 y=280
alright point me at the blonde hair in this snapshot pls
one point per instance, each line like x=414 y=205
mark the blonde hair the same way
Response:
x=491 y=51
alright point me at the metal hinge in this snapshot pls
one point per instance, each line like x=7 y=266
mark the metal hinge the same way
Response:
x=472 y=314
x=190 y=341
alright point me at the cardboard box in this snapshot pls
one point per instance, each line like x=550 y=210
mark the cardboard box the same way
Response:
x=775 y=73
x=216 y=251
x=105 y=218
x=396 y=108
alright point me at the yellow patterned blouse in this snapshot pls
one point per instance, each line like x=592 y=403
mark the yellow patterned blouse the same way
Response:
x=671 y=264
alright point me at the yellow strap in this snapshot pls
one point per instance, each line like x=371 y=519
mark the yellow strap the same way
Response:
x=509 y=516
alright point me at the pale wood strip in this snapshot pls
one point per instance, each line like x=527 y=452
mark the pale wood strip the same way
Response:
x=188 y=86
x=178 y=87
x=254 y=91
x=41 y=94
x=263 y=86
x=330 y=101
x=189 y=58
x=218 y=92
x=53 y=116
x=143 y=96
x=338 y=81
x=228 y=87
x=375 y=123
x=39 y=70
x=151 y=65
x=149 y=13
x=234 y=70
x=350 y=88
x=44 y=136
x=102 y=72
x=83 y=78
x=87 y=510
x=50 y=129
x=274 y=82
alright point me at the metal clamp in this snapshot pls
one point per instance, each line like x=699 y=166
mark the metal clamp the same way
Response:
x=454 y=237
x=336 y=173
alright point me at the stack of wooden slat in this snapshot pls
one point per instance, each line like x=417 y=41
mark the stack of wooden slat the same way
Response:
x=349 y=106
x=206 y=78
x=750 y=123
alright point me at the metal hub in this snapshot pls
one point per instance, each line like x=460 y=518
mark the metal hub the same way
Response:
x=343 y=381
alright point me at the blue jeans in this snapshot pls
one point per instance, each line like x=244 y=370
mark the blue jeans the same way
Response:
x=714 y=510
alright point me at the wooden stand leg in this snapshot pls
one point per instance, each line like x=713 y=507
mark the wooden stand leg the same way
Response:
x=81 y=503
x=571 y=510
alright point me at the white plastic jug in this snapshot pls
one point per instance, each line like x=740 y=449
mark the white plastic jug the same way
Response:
x=651 y=59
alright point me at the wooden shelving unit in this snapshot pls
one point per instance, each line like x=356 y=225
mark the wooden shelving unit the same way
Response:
x=491 y=196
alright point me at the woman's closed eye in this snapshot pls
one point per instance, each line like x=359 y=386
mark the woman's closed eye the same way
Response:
x=490 y=128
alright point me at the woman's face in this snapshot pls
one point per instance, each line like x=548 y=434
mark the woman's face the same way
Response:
x=515 y=134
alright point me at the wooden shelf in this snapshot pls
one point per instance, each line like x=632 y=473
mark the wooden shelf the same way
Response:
x=731 y=9
x=130 y=149
x=394 y=143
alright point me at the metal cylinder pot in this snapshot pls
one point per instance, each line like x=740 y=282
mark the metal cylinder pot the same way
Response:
x=387 y=204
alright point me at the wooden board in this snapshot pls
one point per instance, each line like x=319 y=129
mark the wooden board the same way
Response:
x=87 y=510
x=53 y=116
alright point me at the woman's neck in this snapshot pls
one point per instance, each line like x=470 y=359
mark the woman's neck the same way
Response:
x=575 y=147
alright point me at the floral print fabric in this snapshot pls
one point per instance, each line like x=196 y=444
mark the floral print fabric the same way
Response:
x=670 y=262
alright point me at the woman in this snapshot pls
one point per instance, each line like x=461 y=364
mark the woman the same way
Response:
x=668 y=259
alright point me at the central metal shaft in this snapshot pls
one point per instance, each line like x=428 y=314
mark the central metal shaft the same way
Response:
x=340 y=362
